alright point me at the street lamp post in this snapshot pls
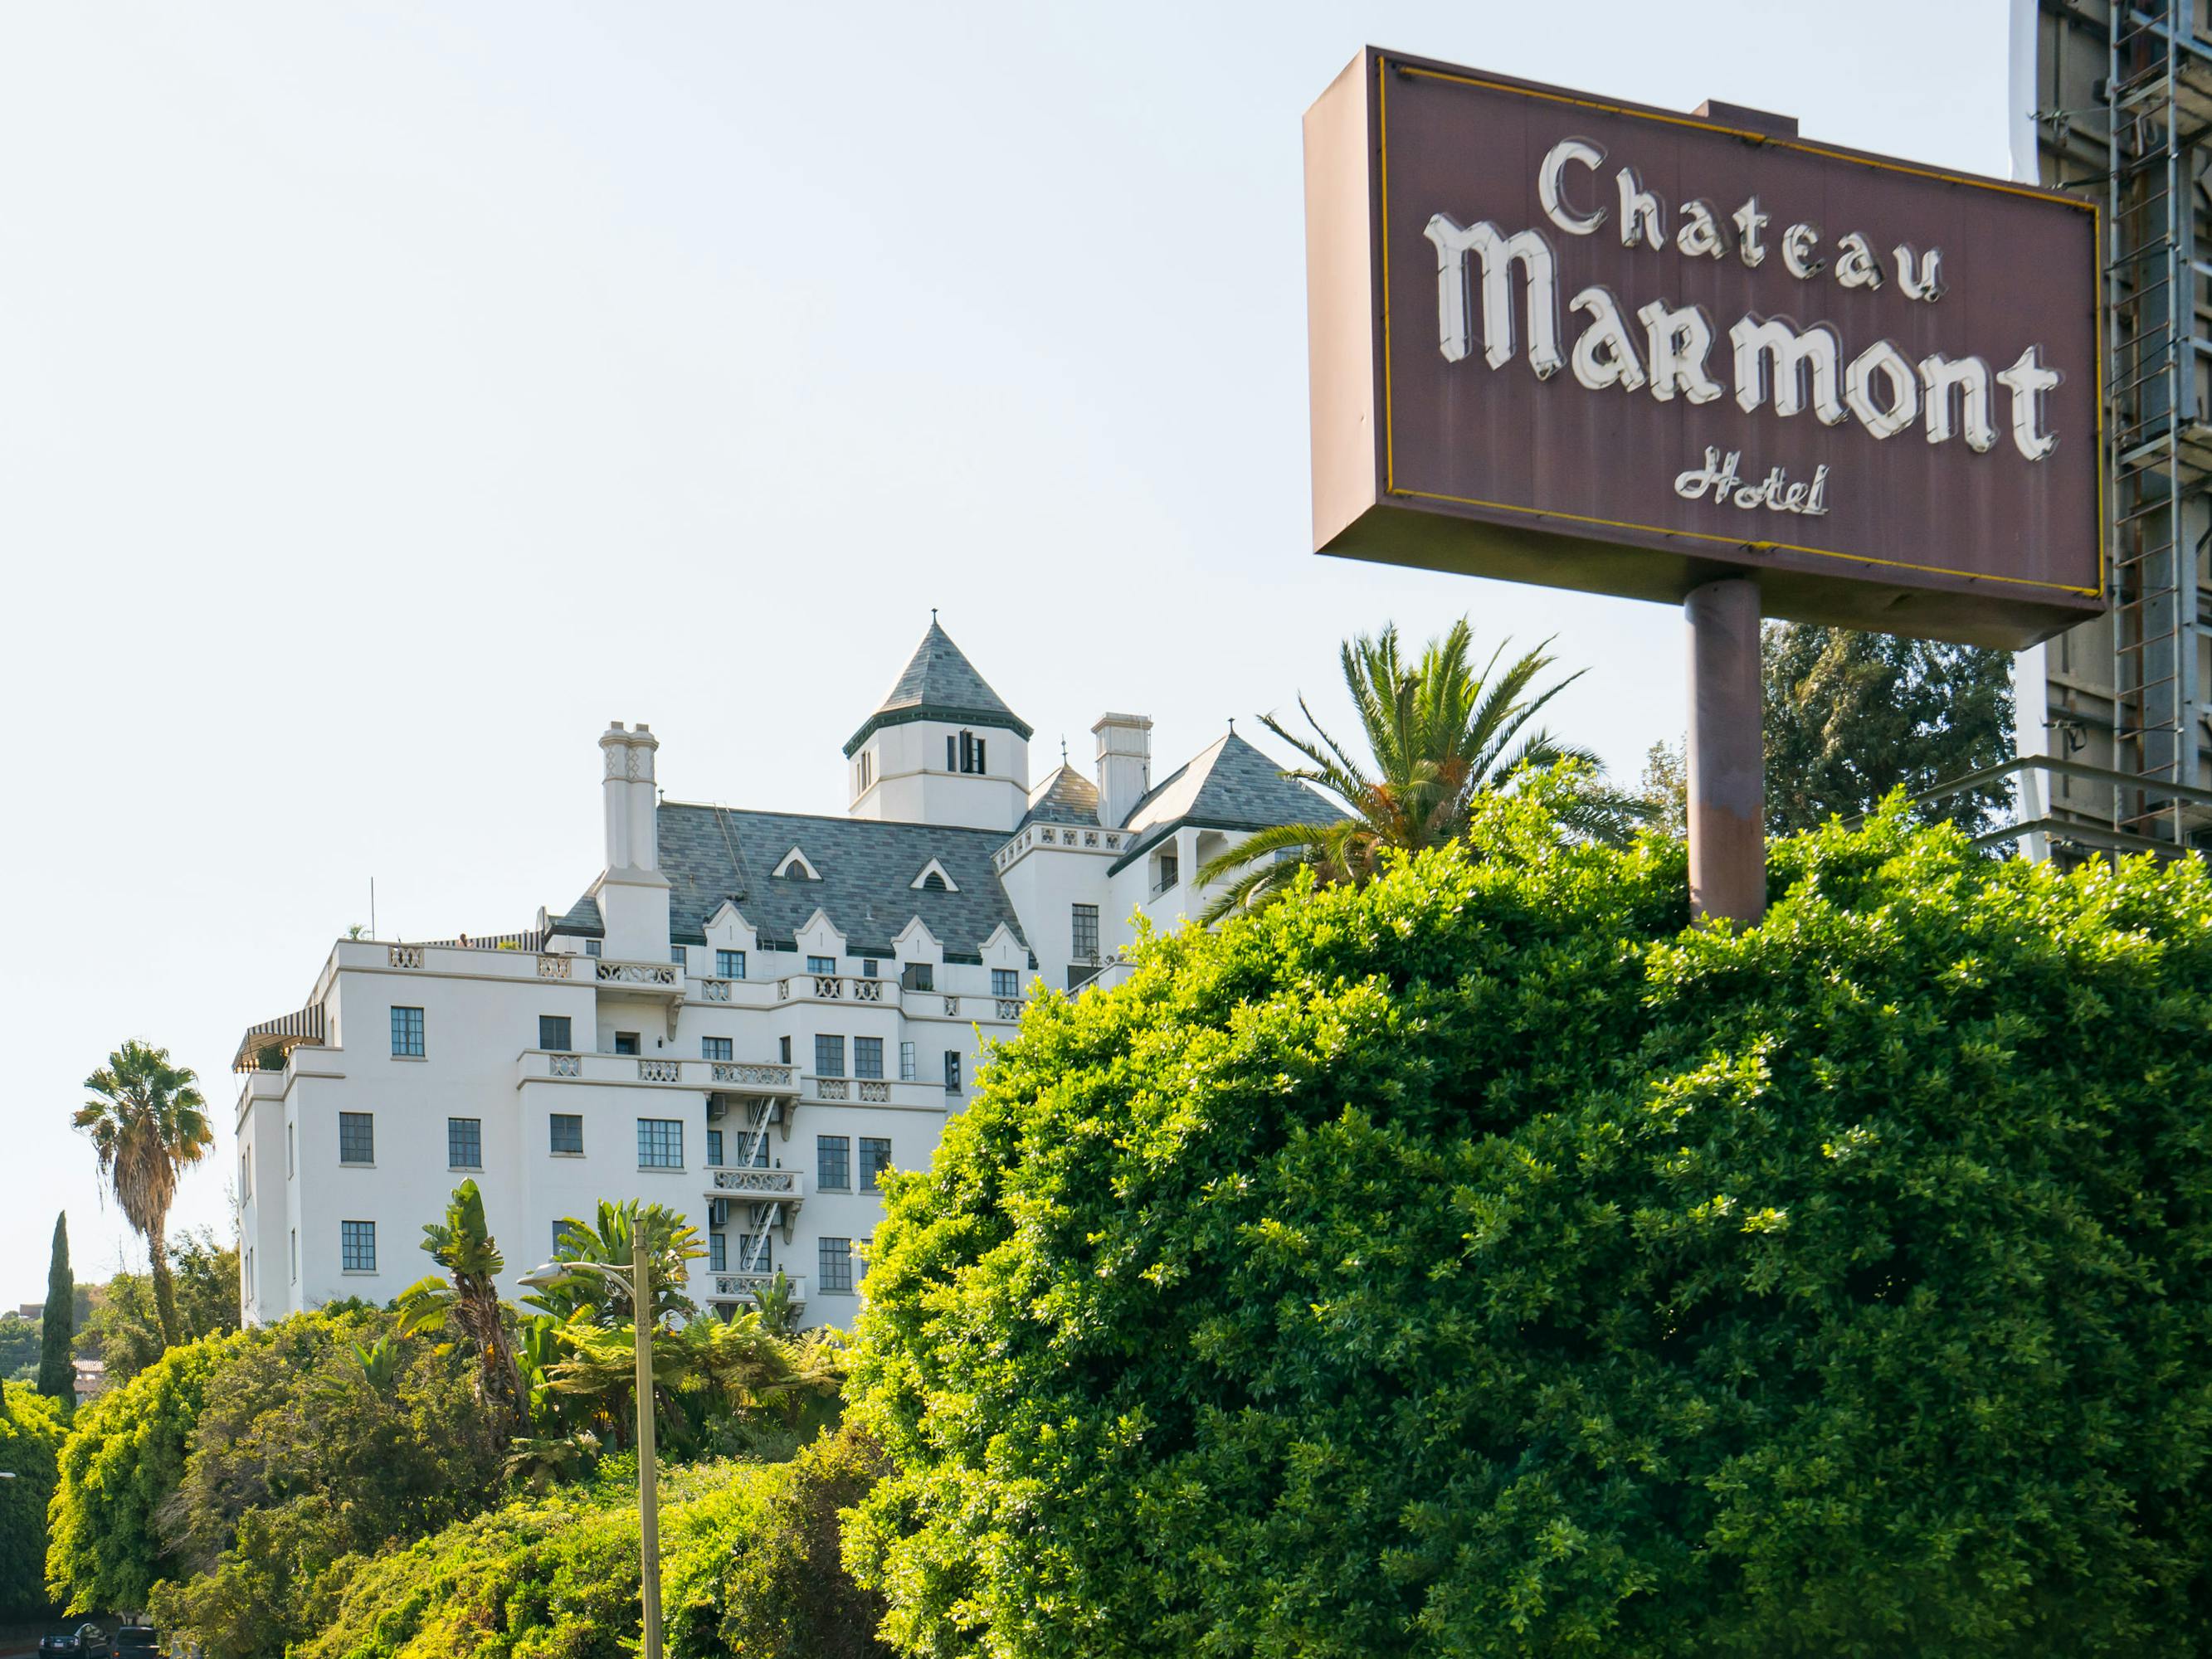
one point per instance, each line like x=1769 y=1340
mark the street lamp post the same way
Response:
x=638 y=1281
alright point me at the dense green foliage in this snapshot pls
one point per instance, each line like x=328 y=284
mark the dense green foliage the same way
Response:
x=123 y=1462
x=1475 y=1262
x=750 y=1570
x=124 y=1328
x=320 y=1437
x=20 y=1339
x=1851 y=716
x=30 y=1429
x=56 y=1376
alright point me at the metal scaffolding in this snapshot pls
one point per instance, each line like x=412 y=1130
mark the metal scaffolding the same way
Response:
x=2123 y=110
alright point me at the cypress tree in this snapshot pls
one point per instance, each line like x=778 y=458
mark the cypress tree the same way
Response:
x=57 y=1324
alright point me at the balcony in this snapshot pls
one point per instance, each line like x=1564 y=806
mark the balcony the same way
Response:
x=909 y=1093
x=709 y=1076
x=739 y=1286
x=744 y=1077
x=756 y=1186
x=829 y=988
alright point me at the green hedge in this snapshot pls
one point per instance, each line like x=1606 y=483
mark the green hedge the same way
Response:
x=31 y=1431
x=750 y=1570
x=1478 y=1263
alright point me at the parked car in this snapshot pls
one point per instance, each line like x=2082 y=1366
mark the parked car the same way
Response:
x=136 y=1642
x=85 y=1642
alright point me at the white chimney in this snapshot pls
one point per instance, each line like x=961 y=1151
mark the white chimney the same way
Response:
x=1125 y=764
x=633 y=894
x=614 y=749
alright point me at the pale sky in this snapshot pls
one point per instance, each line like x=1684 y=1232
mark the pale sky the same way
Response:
x=391 y=396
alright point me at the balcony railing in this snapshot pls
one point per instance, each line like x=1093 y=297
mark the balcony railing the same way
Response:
x=831 y=988
x=660 y=1070
x=745 y=1075
x=567 y=1066
x=739 y=1286
x=1010 y=1007
x=764 y=1186
x=660 y=975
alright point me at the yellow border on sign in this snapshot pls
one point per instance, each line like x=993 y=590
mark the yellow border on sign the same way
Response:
x=1382 y=65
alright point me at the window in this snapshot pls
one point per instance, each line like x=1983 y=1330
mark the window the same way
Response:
x=716 y=1048
x=245 y=1173
x=356 y=1137
x=560 y=1233
x=591 y=947
x=906 y=1062
x=295 y=1255
x=681 y=956
x=1005 y=982
x=934 y=882
x=919 y=977
x=554 y=1033
x=867 y=1056
x=465 y=1143
x=821 y=964
x=783 y=1049
x=568 y=1134
x=357 y=1246
x=659 y=1143
x=625 y=1043
x=1168 y=870
x=828 y=1056
x=965 y=753
x=729 y=964
x=291 y=1156
x=864 y=771
x=875 y=1158
x=1083 y=919
x=714 y=1149
x=833 y=1162
x=860 y=1262
x=718 y=1253
x=249 y=1270
x=756 y=1252
x=407 y=1032
x=836 y=1264
x=867 y=967
x=951 y=1071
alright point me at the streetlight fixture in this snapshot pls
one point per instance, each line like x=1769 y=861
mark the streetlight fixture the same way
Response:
x=637 y=1279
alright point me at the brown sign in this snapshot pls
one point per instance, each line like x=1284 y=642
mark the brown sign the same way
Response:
x=1580 y=343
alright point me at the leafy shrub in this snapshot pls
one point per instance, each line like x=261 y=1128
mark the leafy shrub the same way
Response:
x=1477 y=1263
x=750 y=1570
x=31 y=1431
x=120 y=1465
x=321 y=1438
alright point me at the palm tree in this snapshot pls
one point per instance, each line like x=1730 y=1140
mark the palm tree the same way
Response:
x=1440 y=734
x=147 y=1125
x=671 y=1242
x=469 y=1302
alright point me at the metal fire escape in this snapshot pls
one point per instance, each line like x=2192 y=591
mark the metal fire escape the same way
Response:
x=2158 y=97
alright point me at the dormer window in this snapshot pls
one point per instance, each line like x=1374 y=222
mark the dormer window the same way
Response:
x=964 y=753
x=795 y=868
x=934 y=878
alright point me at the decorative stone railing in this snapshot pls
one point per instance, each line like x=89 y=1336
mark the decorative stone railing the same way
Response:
x=568 y=1065
x=556 y=967
x=661 y=973
x=732 y=1286
x=832 y=1088
x=745 y=1075
x=406 y=955
x=875 y=1092
x=764 y=1184
x=867 y=990
x=660 y=1070
x=714 y=990
x=952 y=1007
x=1010 y=1007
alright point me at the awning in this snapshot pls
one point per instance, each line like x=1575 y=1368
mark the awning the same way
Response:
x=285 y=1033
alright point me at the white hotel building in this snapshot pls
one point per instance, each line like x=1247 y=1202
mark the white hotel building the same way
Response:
x=746 y=1015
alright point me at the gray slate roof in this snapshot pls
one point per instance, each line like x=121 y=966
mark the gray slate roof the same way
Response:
x=1065 y=797
x=1228 y=786
x=710 y=853
x=940 y=683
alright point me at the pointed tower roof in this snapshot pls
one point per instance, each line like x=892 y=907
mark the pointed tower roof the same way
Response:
x=940 y=683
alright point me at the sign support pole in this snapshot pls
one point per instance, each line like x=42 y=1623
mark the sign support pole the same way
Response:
x=1727 y=754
